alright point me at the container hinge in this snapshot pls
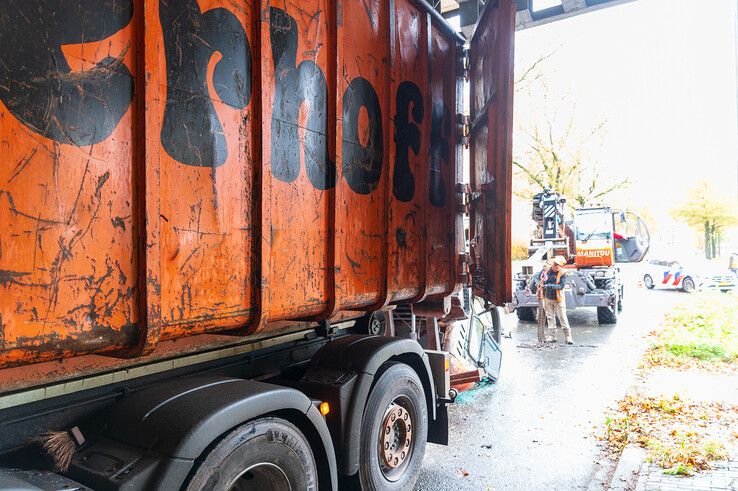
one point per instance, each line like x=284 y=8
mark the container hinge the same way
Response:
x=465 y=197
x=464 y=64
x=463 y=123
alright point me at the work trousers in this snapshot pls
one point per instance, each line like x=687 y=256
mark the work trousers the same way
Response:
x=553 y=309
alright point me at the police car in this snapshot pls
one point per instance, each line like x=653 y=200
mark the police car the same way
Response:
x=661 y=273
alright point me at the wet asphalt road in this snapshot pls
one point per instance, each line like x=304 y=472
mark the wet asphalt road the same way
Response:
x=534 y=429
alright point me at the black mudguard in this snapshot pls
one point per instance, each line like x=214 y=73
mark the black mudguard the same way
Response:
x=151 y=439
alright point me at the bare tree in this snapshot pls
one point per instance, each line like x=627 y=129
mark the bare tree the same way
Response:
x=553 y=149
x=528 y=76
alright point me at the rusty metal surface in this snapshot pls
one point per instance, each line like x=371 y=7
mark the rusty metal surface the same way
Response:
x=409 y=152
x=172 y=168
x=362 y=149
x=491 y=81
x=76 y=373
x=67 y=142
x=297 y=163
x=442 y=178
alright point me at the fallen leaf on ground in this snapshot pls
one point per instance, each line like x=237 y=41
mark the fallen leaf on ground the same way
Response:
x=666 y=427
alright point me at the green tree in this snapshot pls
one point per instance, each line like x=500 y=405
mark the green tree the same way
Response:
x=710 y=214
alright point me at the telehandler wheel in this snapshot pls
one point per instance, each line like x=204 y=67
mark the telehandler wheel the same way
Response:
x=268 y=454
x=394 y=431
x=606 y=315
x=526 y=313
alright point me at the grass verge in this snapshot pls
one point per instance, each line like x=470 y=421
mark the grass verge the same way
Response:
x=701 y=332
x=684 y=436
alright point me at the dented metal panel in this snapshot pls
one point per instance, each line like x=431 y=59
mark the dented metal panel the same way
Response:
x=298 y=164
x=202 y=165
x=441 y=182
x=409 y=151
x=362 y=150
x=172 y=168
x=68 y=263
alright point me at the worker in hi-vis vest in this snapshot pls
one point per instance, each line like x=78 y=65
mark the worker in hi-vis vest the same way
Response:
x=554 y=302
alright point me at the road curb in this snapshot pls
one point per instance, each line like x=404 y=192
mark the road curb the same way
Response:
x=625 y=477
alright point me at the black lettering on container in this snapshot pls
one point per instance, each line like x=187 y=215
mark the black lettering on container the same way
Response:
x=37 y=84
x=407 y=137
x=192 y=133
x=362 y=166
x=293 y=88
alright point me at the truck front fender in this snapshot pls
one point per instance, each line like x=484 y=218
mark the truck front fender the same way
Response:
x=343 y=372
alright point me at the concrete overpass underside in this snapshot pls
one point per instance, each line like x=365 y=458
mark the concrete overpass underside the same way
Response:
x=531 y=13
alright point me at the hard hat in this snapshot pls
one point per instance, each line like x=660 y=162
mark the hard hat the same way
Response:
x=559 y=260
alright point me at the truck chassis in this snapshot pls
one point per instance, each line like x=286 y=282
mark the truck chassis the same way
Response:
x=600 y=288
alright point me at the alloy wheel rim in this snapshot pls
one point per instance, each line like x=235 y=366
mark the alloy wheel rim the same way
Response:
x=397 y=438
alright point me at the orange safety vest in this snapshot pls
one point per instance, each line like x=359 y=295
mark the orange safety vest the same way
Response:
x=559 y=293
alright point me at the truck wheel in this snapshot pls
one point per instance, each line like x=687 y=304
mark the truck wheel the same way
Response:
x=268 y=454
x=372 y=324
x=620 y=300
x=606 y=315
x=526 y=313
x=394 y=431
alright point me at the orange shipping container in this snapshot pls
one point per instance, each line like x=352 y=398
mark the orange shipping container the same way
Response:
x=173 y=168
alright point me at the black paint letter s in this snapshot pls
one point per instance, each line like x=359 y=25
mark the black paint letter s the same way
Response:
x=362 y=166
x=38 y=86
x=407 y=136
x=293 y=87
x=192 y=133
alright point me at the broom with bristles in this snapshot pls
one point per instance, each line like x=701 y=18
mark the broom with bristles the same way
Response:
x=61 y=445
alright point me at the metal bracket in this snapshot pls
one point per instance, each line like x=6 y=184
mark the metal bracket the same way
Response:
x=326 y=330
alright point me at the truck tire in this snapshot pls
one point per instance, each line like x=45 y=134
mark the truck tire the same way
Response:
x=268 y=454
x=372 y=324
x=395 y=412
x=526 y=313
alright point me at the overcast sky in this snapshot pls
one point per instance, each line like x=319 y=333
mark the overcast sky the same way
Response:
x=662 y=74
